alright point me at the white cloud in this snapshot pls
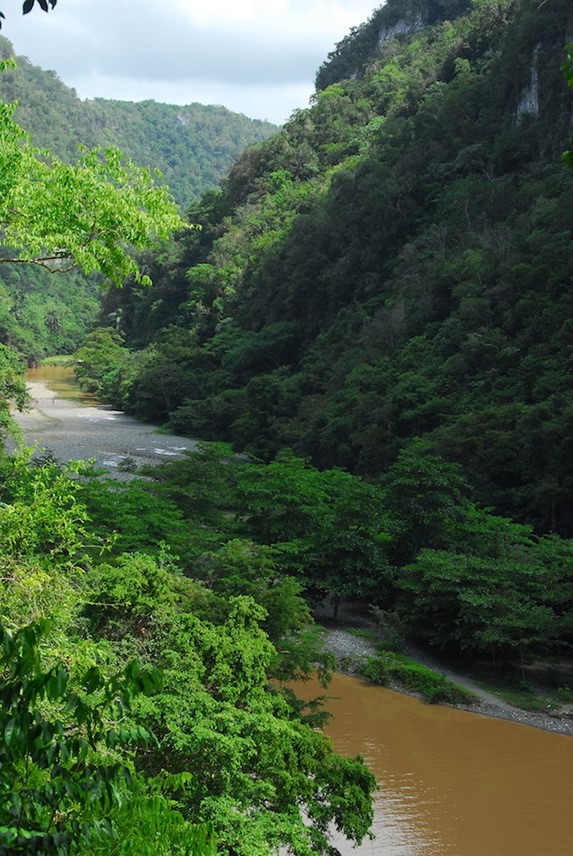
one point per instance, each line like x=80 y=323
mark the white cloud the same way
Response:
x=255 y=57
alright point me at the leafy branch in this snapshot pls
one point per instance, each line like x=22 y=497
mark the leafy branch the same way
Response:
x=91 y=214
x=28 y=5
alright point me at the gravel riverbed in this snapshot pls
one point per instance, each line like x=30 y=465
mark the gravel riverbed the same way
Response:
x=69 y=429
x=349 y=649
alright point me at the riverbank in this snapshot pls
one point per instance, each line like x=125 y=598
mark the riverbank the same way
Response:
x=79 y=428
x=350 y=650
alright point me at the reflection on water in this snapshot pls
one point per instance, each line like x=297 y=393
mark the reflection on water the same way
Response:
x=452 y=782
x=62 y=381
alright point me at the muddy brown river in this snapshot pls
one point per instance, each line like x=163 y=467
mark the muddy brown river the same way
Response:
x=450 y=783
x=453 y=783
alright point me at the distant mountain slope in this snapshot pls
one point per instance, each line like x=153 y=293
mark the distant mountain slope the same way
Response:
x=192 y=146
x=395 y=263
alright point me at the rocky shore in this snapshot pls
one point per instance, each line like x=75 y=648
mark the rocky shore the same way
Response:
x=70 y=429
x=349 y=649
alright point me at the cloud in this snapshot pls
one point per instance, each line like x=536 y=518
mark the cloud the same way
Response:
x=259 y=58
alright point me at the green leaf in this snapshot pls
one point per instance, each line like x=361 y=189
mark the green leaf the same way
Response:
x=92 y=679
x=13 y=734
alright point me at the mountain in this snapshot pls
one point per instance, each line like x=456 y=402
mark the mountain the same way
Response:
x=394 y=264
x=192 y=146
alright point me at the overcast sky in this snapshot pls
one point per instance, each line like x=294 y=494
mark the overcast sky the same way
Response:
x=257 y=57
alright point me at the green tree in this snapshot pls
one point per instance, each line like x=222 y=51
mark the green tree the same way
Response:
x=67 y=781
x=99 y=363
x=258 y=767
x=328 y=527
x=12 y=388
x=91 y=214
x=425 y=498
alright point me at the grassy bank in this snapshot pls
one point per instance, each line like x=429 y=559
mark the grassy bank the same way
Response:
x=392 y=669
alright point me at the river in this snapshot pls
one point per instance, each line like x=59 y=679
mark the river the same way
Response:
x=451 y=783
x=70 y=424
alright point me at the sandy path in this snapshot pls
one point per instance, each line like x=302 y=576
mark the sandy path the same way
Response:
x=69 y=430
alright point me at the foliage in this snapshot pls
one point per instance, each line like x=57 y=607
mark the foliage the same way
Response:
x=512 y=606
x=60 y=216
x=65 y=771
x=192 y=146
x=233 y=752
x=390 y=668
x=393 y=265
x=12 y=388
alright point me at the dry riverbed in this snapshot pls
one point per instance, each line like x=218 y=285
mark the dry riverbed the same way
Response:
x=69 y=429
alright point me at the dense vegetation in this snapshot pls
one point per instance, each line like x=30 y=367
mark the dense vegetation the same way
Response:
x=394 y=264
x=192 y=146
x=104 y=628
x=383 y=288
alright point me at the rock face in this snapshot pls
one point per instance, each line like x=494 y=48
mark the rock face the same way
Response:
x=528 y=104
x=400 y=28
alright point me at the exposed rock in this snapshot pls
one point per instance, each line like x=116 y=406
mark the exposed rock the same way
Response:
x=528 y=104
x=400 y=28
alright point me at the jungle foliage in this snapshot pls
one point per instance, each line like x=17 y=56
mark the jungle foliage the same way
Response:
x=394 y=264
x=381 y=287
x=192 y=147
x=104 y=627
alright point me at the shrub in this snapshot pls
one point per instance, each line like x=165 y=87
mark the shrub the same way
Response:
x=432 y=686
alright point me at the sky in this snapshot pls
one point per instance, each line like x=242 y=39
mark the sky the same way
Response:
x=257 y=57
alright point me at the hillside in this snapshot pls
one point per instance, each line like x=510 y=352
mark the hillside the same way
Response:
x=192 y=146
x=394 y=264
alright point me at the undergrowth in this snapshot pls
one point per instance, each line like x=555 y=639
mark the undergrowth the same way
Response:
x=391 y=668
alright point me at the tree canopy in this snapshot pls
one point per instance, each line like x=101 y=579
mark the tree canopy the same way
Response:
x=91 y=214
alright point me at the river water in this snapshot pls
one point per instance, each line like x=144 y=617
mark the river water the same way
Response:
x=450 y=783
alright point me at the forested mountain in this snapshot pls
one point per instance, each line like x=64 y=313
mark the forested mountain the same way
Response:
x=394 y=264
x=192 y=146
x=383 y=287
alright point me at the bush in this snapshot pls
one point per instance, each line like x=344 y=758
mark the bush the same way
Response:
x=394 y=668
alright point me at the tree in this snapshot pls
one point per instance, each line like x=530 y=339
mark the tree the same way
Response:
x=90 y=214
x=28 y=5
x=567 y=69
x=425 y=495
x=67 y=781
x=12 y=387
x=328 y=527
